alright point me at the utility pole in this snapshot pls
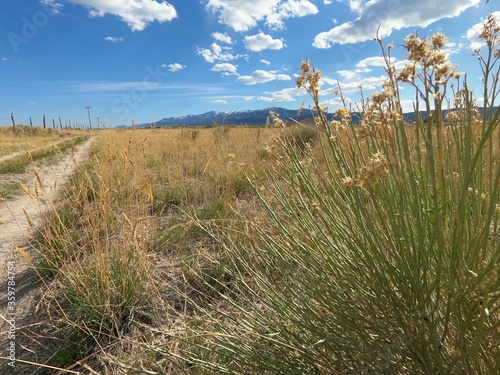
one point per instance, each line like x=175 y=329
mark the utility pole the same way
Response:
x=98 y=125
x=88 y=111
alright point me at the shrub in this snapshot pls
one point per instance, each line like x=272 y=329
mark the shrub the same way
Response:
x=379 y=253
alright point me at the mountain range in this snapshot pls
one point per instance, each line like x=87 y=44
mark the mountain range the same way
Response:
x=254 y=117
x=248 y=117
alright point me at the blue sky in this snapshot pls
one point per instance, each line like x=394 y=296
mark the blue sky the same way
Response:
x=144 y=60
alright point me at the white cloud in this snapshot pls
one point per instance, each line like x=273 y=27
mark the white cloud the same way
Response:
x=334 y=103
x=291 y=9
x=277 y=97
x=390 y=15
x=242 y=15
x=219 y=101
x=175 y=67
x=113 y=39
x=217 y=53
x=138 y=14
x=355 y=5
x=222 y=37
x=54 y=7
x=285 y=95
x=5 y=59
x=225 y=69
x=261 y=41
x=368 y=83
x=348 y=74
x=473 y=33
x=262 y=76
x=265 y=62
x=372 y=61
x=453 y=48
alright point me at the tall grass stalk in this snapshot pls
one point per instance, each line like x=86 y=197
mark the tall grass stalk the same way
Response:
x=93 y=257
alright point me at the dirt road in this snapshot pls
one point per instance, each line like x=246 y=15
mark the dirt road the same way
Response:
x=19 y=293
x=14 y=227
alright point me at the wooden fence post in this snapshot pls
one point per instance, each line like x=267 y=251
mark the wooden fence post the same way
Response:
x=31 y=122
x=13 y=122
x=44 y=121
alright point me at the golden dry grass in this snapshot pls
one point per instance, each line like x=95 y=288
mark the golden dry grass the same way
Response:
x=27 y=138
x=124 y=236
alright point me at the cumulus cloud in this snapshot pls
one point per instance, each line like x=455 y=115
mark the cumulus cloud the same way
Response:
x=390 y=15
x=113 y=39
x=372 y=61
x=368 y=83
x=242 y=15
x=265 y=62
x=175 y=67
x=355 y=5
x=348 y=74
x=222 y=37
x=261 y=41
x=285 y=95
x=138 y=14
x=473 y=33
x=262 y=76
x=52 y=5
x=225 y=69
x=217 y=53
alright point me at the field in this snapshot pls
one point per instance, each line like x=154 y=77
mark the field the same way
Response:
x=367 y=247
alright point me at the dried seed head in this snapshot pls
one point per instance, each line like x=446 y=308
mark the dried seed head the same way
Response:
x=375 y=169
x=344 y=115
x=408 y=74
x=39 y=178
x=348 y=181
x=309 y=77
x=28 y=217
x=439 y=40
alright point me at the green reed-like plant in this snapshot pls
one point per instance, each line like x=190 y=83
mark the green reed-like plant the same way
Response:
x=380 y=251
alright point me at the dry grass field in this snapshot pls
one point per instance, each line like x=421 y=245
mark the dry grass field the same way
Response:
x=27 y=138
x=367 y=247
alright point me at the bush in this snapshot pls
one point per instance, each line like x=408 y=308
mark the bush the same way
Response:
x=379 y=253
